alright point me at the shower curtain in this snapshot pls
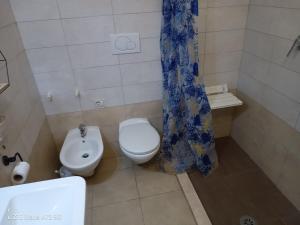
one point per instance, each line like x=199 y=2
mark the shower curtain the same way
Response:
x=188 y=139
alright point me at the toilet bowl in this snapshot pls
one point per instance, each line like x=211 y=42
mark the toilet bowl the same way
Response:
x=138 y=140
x=81 y=155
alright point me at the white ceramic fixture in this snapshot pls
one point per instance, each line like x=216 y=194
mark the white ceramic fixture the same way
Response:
x=52 y=202
x=81 y=155
x=138 y=139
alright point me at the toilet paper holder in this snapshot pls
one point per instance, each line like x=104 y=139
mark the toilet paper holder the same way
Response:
x=7 y=160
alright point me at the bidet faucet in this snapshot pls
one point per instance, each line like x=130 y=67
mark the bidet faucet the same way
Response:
x=83 y=130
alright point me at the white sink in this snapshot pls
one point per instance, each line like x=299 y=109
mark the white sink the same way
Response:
x=53 y=202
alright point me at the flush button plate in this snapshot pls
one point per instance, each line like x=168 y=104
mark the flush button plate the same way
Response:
x=125 y=43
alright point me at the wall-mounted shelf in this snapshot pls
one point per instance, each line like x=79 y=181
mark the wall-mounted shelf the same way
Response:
x=4 y=84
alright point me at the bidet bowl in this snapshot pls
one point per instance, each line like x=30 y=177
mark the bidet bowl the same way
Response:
x=81 y=155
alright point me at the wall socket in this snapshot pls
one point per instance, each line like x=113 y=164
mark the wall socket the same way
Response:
x=99 y=103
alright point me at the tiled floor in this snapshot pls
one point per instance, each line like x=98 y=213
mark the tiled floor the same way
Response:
x=121 y=193
x=238 y=187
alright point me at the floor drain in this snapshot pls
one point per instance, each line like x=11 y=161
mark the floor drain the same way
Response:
x=85 y=155
x=247 y=220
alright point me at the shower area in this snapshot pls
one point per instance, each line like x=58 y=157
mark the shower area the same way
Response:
x=258 y=178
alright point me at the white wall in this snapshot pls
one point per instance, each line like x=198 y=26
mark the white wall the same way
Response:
x=68 y=45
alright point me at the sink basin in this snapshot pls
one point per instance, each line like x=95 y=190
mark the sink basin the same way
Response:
x=53 y=202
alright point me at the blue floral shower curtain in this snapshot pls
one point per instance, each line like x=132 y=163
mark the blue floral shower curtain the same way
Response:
x=188 y=139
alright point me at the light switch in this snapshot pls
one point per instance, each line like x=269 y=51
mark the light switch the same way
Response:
x=125 y=43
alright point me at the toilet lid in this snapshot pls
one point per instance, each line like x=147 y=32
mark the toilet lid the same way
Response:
x=139 y=138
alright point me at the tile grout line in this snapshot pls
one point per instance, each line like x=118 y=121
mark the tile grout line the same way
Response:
x=118 y=56
x=269 y=61
x=272 y=88
x=272 y=6
x=139 y=194
x=76 y=85
x=83 y=43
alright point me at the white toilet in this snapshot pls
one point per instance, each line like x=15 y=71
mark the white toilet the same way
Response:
x=138 y=139
x=82 y=150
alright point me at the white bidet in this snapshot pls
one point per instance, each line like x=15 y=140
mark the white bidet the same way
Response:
x=82 y=150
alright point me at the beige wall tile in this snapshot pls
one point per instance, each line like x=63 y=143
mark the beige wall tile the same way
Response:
x=20 y=103
x=6 y=14
x=262 y=18
x=157 y=122
x=285 y=108
x=259 y=44
x=104 y=117
x=222 y=62
x=219 y=3
x=222 y=122
x=226 y=18
x=112 y=150
x=266 y=2
x=265 y=128
x=32 y=127
x=148 y=110
x=61 y=124
x=271 y=143
x=224 y=41
x=229 y=78
x=202 y=24
x=288 y=181
x=44 y=159
x=256 y=67
x=110 y=133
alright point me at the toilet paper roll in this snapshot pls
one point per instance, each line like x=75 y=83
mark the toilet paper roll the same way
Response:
x=20 y=173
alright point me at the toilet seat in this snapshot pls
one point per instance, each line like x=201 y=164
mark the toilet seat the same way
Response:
x=139 y=138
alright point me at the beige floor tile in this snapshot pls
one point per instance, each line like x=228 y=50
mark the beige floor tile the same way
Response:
x=89 y=196
x=167 y=209
x=124 y=213
x=151 y=182
x=115 y=187
x=88 y=217
x=116 y=163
